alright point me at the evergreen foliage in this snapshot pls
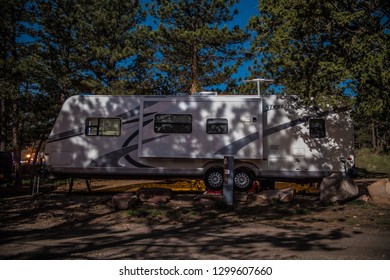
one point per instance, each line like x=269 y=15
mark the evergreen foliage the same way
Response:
x=196 y=48
x=313 y=47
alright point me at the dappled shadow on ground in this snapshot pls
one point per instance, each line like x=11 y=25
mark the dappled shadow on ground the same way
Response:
x=82 y=226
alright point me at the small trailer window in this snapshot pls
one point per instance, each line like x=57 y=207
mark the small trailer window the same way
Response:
x=217 y=126
x=317 y=128
x=173 y=123
x=103 y=127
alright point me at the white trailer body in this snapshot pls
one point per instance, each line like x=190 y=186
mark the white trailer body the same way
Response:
x=270 y=137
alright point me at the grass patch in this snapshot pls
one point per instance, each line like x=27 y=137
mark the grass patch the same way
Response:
x=163 y=213
x=148 y=211
x=370 y=164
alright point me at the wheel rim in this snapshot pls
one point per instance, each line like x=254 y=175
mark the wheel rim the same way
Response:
x=242 y=180
x=215 y=179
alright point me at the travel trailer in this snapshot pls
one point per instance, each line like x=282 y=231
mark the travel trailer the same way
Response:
x=270 y=137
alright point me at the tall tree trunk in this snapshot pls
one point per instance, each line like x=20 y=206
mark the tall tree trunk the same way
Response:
x=15 y=103
x=16 y=143
x=3 y=125
x=38 y=149
x=194 y=73
x=373 y=135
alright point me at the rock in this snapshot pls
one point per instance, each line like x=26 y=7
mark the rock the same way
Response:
x=328 y=188
x=159 y=199
x=205 y=203
x=36 y=204
x=337 y=188
x=154 y=195
x=258 y=199
x=240 y=197
x=364 y=197
x=380 y=191
x=124 y=201
x=209 y=201
x=347 y=190
x=283 y=195
x=265 y=197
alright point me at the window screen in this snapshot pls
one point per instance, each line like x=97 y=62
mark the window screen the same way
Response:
x=317 y=128
x=173 y=123
x=217 y=126
x=103 y=127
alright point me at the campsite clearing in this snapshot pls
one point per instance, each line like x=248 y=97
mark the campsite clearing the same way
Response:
x=58 y=225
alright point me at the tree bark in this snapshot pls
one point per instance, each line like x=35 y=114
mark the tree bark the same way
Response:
x=3 y=125
x=373 y=140
x=38 y=149
x=16 y=143
x=194 y=73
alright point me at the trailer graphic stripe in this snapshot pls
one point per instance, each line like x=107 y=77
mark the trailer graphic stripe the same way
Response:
x=132 y=113
x=284 y=126
x=112 y=159
x=137 y=119
x=127 y=142
x=67 y=134
x=234 y=147
x=132 y=136
x=136 y=163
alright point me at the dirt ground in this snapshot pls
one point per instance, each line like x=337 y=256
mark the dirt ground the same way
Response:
x=81 y=225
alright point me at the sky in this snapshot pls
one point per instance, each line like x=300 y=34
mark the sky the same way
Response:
x=246 y=9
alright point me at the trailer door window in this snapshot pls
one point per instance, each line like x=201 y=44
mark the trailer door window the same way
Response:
x=103 y=127
x=217 y=126
x=317 y=128
x=173 y=123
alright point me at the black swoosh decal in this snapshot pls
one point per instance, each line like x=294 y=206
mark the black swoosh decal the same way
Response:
x=65 y=135
x=112 y=159
x=136 y=163
x=234 y=147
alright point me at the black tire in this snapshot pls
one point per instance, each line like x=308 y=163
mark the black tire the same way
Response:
x=243 y=179
x=213 y=179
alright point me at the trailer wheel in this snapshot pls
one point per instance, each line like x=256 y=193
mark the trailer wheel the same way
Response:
x=243 y=179
x=213 y=179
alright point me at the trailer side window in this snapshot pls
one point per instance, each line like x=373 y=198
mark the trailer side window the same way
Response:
x=317 y=128
x=217 y=126
x=103 y=127
x=173 y=123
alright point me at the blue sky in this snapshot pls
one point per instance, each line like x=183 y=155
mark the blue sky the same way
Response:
x=246 y=9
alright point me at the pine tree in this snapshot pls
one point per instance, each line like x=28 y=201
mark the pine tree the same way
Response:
x=60 y=23
x=196 y=48
x=117 y=47
x=95 y=46
x=313 y=47
x=18 y=62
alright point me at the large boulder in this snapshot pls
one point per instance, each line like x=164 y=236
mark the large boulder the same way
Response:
x=380 y=191
x=337 y=188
